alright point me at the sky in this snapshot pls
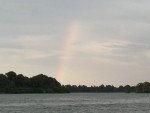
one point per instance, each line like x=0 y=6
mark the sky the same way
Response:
x=77 y=41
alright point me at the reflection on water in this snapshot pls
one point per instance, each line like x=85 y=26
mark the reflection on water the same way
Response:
x=75 y=103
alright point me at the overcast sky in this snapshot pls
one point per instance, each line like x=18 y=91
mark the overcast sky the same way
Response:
x=111 y=43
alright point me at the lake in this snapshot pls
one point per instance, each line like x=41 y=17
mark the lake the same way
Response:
x=75 y=103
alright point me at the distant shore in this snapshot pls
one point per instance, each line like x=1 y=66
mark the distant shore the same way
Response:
x=11 y=83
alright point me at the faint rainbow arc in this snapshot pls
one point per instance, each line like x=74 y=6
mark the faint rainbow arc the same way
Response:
x=66 y=52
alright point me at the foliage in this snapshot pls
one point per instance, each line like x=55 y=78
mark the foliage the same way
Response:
x=100 y=89
x=13 y=83
x=143 y=87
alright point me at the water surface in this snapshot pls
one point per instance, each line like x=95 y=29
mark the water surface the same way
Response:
x=75 y=103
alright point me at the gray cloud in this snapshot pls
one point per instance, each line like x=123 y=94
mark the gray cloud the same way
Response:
x=111 y=45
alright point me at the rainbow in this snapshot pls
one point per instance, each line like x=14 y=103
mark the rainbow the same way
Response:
x=66 y=52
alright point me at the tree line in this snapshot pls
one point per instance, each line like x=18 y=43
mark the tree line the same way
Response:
x=12 y=83
x=139 y=88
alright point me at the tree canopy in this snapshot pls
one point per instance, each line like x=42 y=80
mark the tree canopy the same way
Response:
x=13 y=83
x=18 y=83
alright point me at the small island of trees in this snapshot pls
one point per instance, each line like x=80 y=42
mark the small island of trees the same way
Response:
x=13 y=83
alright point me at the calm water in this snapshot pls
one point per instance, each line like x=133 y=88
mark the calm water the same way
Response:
x=75 y=103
